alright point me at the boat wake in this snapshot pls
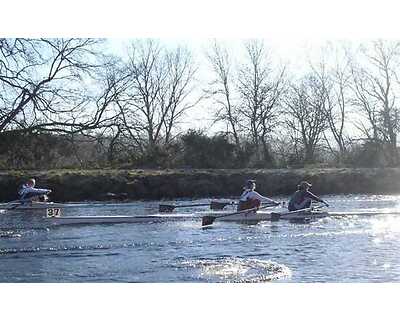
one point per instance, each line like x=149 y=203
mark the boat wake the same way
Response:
x=239 y=270
x=9 y=234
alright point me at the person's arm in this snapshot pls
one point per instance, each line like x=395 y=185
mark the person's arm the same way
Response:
x=256 y=195
x=40 y=191
x=243 y=196
x=34 y=192
x=314 y=197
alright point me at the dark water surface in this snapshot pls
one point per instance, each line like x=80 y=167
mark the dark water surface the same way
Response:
x=345 y=249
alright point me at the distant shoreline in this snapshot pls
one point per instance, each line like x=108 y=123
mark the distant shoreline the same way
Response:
x=81 y=185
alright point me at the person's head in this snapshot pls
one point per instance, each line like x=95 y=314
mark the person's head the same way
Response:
x=31 y=182
x=304 y=185
x=250 y=184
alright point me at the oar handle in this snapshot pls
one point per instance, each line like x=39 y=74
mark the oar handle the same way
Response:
x=252 y=209
x=208 y=220
x=217 y=205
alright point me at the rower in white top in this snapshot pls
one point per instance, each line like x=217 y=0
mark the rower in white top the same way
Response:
x=28 y=193
x=252 y=199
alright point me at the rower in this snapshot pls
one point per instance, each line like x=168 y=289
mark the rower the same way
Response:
x=252 y=199
x=302 y=198
x=28 y=192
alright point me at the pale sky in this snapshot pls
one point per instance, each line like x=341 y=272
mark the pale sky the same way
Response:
x=289 y=51
x=290 y=26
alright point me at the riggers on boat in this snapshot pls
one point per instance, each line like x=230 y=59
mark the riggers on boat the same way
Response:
x=53 y=213
x=267 y=215
x=300 y=215
x=241 y=218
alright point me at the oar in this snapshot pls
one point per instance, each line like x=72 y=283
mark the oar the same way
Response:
x=275 y=216
x=171 y=207
x=216 y=205
x=208 y=220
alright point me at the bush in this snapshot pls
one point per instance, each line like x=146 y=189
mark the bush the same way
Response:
x=367 y=155
x=200 y=151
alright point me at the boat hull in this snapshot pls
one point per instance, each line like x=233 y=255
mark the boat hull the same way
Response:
x=41 y=207
x=36 y=207
x=74 y=220
x=304 y=215
x=252 y=217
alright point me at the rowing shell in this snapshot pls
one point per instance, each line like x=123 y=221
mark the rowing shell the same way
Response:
x=240 y=217
x=17 y=206
x=71 y=220
x=254 y=217
x=41 y=207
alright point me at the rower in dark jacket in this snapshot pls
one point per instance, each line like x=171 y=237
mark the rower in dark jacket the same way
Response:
x=303 y=198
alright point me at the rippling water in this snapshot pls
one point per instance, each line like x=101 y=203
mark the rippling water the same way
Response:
x=345 y=249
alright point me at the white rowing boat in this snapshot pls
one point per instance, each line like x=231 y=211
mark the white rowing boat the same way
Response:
x=73 y=220
x=41 y=207
x=34 y=206
x=263 y=215
x=53 y=218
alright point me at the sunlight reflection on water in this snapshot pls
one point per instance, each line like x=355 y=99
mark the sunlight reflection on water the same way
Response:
x=239 y=270
x=333 y=249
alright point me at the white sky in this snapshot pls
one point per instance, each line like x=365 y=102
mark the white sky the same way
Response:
x=285 y=20
x=293 y=53
x=289 y=26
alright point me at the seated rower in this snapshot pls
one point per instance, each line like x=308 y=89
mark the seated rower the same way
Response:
x=28 y=192
x=302 y=198
x=252 y=199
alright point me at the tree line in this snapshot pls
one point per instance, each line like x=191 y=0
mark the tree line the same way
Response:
x=68 y=103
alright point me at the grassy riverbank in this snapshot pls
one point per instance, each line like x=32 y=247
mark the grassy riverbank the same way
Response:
x=80 y=185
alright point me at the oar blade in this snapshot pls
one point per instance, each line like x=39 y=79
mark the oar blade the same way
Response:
x=207 y=220
x=166 y=208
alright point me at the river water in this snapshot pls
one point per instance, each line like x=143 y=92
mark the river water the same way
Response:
x=344 y=249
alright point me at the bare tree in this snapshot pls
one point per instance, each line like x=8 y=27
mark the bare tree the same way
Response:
x=42 y=84
x=222 y=89
x=335 y=84
x=376 y=87
x=260 y=91
x=177 y=97
x=306 y=116
x=158 y=84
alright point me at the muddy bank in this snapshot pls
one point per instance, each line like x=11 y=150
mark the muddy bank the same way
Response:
x=81 y=185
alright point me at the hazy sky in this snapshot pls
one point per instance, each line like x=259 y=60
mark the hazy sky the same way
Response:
x=294 y=53
x=290 y=26
x=280 y=19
